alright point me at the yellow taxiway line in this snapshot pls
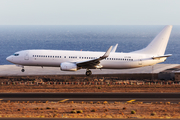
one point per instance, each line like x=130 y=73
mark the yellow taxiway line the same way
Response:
x=64 y=100
x=130 y=101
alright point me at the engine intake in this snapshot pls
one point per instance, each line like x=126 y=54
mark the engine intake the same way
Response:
x=67 y=66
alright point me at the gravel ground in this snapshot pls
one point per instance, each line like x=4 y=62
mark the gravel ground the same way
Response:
x=89 y=110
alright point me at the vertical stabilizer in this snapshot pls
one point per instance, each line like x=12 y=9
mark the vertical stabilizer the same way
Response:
x=159 y=43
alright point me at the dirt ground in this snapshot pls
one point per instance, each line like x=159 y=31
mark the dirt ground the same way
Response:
x=89 y=88
x=89 y=110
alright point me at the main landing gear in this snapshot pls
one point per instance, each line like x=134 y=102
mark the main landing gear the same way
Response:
x=88 y=72
x=22 y=70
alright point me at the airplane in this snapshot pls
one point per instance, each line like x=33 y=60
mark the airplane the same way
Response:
x=74 y=60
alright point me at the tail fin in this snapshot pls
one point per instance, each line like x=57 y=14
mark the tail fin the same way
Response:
x=159 y=43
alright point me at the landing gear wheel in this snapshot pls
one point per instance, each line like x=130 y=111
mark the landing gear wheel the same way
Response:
x=88 y=73
x=22 y=70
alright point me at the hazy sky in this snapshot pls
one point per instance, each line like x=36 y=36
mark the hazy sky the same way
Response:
x=89 y=12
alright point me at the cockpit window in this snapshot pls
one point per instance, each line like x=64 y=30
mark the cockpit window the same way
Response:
x=16 y=54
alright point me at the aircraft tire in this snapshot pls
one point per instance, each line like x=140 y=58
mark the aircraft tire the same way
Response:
x=88 y=73
x=22 y=70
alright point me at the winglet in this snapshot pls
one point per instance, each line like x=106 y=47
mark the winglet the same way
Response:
x=114 y=48
x=107 y=52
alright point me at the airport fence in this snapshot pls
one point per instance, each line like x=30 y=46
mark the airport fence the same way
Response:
x=90 y=83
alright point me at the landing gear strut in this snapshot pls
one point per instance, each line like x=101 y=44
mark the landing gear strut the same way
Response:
x=22 y=70
x=88 y=72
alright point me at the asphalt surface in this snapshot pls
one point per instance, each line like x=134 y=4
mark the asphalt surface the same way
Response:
x=111 y=97
x=13 y=70
x=90 y=95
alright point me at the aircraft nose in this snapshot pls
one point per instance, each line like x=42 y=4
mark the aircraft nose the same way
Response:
x=10 y=58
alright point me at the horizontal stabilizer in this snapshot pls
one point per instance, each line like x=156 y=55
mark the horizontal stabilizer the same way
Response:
x=161 y=56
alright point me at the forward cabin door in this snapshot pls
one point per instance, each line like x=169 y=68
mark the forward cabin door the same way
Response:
x=140 y=61
x=26 y=57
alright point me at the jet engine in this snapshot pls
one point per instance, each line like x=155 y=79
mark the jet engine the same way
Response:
x=67 y=66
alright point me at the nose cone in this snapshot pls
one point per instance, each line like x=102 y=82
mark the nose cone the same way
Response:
x=10 y=58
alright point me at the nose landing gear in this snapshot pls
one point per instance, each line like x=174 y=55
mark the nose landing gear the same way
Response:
x=23 y=70
x=88 y=72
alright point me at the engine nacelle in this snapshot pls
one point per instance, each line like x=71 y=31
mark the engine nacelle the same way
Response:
x=67 y=66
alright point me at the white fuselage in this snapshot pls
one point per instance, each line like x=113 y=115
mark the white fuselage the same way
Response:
x=53 y=58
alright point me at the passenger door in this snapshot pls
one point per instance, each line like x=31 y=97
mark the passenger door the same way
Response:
x=26 y=57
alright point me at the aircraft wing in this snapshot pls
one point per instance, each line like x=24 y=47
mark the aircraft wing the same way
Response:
x=95 y=63
x=161 y=56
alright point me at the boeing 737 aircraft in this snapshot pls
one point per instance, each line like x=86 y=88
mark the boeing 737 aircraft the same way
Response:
x=75 y=60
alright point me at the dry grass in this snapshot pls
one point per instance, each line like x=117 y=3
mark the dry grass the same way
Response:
x=81 y=87
x=89 y=88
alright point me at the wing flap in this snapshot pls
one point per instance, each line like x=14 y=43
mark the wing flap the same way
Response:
x=95 y=62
